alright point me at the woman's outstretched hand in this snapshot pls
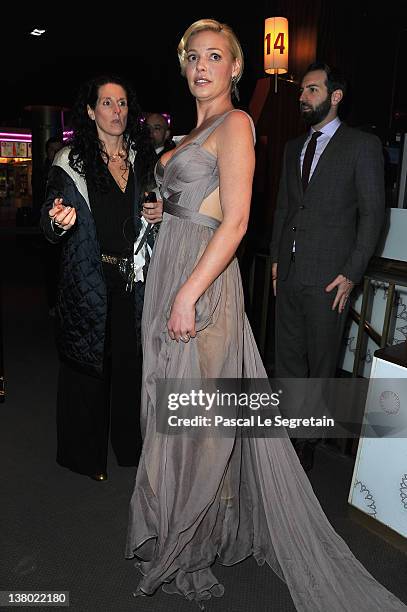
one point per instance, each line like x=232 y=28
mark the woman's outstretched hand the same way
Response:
x=63 y=216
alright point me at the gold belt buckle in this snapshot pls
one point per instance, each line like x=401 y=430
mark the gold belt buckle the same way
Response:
x=109 y=259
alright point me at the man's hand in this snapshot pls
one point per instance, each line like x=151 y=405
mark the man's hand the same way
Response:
x=344 y=286
x=274 y=277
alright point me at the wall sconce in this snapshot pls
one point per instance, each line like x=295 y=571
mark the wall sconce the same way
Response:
x=276 y=47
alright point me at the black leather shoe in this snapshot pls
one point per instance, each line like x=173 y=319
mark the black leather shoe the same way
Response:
x=101 y=476
x=305 y=453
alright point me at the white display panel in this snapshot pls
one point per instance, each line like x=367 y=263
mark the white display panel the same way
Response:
x=379 y=483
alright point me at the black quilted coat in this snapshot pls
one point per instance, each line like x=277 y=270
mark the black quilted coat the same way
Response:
x=82 y=295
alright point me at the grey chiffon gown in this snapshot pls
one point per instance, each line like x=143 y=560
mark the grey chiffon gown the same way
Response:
x=199 y=499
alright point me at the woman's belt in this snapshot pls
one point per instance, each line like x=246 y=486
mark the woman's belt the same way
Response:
x=125 y=266
x=113 y=259
x=195 y=217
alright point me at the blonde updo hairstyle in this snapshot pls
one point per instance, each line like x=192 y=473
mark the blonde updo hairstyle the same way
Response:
x=214 y=26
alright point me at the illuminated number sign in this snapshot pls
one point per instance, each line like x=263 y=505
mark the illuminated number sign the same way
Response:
x=278 y=43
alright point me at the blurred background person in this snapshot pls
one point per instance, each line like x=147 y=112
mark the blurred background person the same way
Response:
x=160 y=133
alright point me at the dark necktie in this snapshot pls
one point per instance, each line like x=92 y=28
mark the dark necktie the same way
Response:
x=308 y=157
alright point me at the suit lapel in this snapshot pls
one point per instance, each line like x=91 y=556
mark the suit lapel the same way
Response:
x=328 y=153
x=298 y=148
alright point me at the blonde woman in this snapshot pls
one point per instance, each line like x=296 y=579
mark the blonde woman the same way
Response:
x=199 y=498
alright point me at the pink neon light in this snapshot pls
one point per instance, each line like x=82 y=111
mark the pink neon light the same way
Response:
x=14 y=140
x=26 y=135
x=10 y=134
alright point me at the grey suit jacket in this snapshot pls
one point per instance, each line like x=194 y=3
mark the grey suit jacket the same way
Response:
x=336 y=223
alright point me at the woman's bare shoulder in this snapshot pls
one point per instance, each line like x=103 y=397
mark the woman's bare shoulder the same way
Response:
x=237 y=122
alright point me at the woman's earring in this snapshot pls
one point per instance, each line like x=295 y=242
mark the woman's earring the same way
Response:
x=235 y=91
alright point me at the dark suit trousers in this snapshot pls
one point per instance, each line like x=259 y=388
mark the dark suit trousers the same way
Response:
x=308 y=332
x=87 y=407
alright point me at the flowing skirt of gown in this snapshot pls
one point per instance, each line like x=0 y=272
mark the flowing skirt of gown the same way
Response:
x=199 y=499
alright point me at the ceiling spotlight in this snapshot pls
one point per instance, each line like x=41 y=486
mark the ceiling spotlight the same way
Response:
x=37 y=32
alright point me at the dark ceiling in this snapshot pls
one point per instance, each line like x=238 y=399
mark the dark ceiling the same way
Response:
x=141 y=46
x=49 y=69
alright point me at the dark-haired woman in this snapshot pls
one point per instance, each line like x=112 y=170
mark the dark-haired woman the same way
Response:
x=93 y=205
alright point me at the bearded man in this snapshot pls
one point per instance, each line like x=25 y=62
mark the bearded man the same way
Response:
x=329 y=215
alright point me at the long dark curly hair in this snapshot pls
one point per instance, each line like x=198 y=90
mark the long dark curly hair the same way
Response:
x=87 y=155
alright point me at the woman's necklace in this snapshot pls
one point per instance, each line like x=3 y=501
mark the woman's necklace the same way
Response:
x=120 y=172
x=117 y=156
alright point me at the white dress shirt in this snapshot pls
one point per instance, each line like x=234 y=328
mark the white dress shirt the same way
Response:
x=326 y=134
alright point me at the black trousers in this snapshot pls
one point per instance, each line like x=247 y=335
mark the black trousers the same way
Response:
x=88 y=407
x=308 y=332
x=308 y=339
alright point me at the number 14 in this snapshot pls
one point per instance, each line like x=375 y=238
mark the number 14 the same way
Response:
x=278 y=43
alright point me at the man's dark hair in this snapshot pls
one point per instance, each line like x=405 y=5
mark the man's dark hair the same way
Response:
x=334 y=78
x=53 y=140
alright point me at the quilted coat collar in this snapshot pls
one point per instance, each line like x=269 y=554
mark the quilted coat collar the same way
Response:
x=62 y=160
